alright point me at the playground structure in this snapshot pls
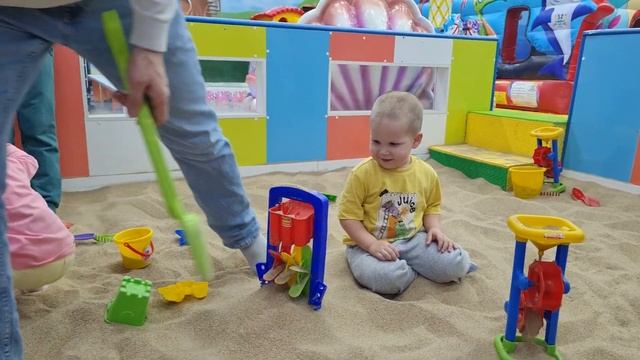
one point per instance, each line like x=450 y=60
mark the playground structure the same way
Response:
x=454 y=75
x=538 y=39
x=297 y=243
x=603 y=115
x=537 y=297
x=461 y=114
x=287 y=14
x=539 y=49
x=498 y=140
x=398 y=15
x=539 y=42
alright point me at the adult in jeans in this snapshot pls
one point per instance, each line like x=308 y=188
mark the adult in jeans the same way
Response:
x=163 y=61
x=37 y=124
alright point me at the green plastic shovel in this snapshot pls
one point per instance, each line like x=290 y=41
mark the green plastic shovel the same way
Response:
x=190 y=222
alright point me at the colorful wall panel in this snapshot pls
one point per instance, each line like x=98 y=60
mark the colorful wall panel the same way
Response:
x=604 y=122
x=471 y=84
x=248 y=138
x=321 y=83
x=635 y=172
x=247 y=135
x=314 y=90
x=410 y=50
x=347 y=137
x=383 y=63
x=374 y=48
x=229 y=40
x=72 y=137
x=297 y=76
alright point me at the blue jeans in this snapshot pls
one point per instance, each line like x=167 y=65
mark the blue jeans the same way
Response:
x=192 y=133
x=37 y=123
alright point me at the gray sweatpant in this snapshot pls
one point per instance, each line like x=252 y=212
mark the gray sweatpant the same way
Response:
x=394 y=277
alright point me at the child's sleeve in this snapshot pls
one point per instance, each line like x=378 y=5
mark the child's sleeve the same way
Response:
x=352 y=199
x=433 y=196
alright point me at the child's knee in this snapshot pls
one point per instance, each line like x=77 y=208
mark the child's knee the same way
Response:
x=390 y=278
x=455 y=266
x=444 y=267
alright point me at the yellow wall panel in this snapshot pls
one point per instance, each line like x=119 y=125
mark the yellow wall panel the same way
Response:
x=471 y=84
x=228 y=40
x=503 y=134
x=248 y=138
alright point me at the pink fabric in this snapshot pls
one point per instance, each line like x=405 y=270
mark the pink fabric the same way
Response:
x=36 y=235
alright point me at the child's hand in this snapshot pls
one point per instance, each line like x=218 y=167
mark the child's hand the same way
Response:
x=444 y=243
x=384 y=251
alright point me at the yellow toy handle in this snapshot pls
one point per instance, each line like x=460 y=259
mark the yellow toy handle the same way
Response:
x=547 y=133
x=545 y=230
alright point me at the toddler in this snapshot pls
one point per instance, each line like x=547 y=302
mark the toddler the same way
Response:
x=390 y=207
x=41 y=247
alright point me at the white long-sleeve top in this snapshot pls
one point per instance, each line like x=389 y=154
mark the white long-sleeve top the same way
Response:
x=151 y=19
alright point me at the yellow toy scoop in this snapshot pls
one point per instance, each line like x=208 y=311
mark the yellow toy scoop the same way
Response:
x=190 y=223
x=177 y=291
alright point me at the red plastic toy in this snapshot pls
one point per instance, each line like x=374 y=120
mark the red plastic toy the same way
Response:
x=547 y=292
x=290 y=223
x=545 y=295
x=578 y=194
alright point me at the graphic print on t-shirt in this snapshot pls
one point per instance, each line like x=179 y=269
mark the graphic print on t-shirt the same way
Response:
x=395 y=217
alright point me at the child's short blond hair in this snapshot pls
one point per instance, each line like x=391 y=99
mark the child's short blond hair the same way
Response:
x=398 y=106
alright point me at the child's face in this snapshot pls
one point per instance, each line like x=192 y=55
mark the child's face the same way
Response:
x=392 y=142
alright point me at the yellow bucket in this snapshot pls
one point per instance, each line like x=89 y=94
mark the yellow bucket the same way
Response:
x=527 y=180
x=135 y=246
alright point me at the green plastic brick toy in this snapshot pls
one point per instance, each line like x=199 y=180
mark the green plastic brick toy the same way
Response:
x=130 y=305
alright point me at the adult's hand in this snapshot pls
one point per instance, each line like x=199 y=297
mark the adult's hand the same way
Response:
x=147 y=79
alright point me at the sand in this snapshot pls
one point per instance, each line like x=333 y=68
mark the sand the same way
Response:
x=240 y=320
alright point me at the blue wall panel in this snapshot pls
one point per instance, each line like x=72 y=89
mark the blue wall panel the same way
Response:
x=604 y=121
x=297 y=77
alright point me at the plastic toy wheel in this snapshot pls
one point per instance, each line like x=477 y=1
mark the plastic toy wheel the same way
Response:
x=541 y=157
x=546 y=293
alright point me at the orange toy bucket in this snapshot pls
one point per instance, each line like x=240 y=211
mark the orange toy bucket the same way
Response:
x=136 y=246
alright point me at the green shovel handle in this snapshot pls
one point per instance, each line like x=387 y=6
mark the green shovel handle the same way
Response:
x=115 y=37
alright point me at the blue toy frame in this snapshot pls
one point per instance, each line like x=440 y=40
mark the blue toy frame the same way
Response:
x=320 y=203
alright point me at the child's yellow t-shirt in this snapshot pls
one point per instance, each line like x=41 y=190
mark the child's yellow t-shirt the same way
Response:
x=390 y=203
